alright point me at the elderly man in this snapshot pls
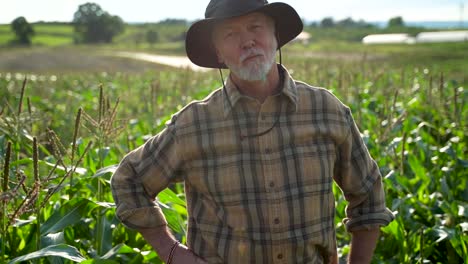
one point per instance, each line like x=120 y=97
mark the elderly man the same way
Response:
x=257 y=156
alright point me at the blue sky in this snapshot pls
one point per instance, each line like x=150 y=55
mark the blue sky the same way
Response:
x=156 y=10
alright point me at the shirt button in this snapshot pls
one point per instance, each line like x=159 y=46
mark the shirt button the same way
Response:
x=280 y=256
x=276 y=221
x=272 y=184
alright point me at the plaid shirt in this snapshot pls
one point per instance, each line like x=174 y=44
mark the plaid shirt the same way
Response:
x=263 y=199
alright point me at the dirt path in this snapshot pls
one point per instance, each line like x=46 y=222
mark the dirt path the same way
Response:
x=173 y=61
x=71 y=60
x=87 y=59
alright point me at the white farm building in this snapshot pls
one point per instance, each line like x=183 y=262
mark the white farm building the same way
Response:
x=303 y=37
x=388 y=39
x=443 y=36
x=423 y=37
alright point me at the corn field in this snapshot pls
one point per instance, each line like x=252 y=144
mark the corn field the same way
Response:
x=61 y=138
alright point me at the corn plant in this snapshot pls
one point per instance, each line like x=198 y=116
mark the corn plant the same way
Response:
x=57 y=158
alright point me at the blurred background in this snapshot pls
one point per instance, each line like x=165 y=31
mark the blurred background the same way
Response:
x=57 y=32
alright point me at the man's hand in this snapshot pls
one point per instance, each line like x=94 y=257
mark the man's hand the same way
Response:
x=362 y=246
x=183 y=255
x=161 y=239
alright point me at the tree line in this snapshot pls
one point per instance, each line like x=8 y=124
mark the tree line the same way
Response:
x=92 y=24
x=329 y=22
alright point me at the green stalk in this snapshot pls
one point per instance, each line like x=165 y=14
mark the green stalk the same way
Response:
x=20 y=106
x=6 y=175
x=75 y=135
x=18 y=123
x=455 y=103
x=402 y=154
x=37 y=184
x=99 y=229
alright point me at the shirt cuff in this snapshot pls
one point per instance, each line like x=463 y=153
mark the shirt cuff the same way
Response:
x=138 y=218
x=369 y=221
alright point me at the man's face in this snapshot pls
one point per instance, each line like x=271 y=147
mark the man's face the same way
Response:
x=247 y=45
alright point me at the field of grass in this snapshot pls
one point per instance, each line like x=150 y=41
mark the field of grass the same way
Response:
x=45 y=35
x=62 y=132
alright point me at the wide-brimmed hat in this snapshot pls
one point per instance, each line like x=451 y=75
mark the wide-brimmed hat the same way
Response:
x=198 y=42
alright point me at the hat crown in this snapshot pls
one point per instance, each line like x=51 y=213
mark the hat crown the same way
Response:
x=231 y=8
x=198 y=42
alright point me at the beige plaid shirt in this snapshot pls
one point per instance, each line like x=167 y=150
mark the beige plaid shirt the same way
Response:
x=263 y=199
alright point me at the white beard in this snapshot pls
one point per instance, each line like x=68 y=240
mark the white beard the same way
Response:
x=258 y=68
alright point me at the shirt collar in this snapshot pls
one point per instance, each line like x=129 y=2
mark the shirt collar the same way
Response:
x=232 y=93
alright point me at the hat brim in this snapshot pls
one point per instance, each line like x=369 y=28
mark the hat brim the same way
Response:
x=198 y=44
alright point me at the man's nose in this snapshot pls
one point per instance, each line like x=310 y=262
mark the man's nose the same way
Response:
x=248 y=44
x=248 y=40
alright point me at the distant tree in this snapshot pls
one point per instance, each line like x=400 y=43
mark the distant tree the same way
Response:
x=94 y=25
x=23 y=30
x=138 y=38
x=327 y=22
x=172 y=21
x=347 y=22
x=350 y=23
x=363 y=24
x=152 y=36
x=179 y=37
x=396 y=22
x=313 y=24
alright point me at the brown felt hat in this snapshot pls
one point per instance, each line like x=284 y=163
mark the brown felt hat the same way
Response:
x=198 y=41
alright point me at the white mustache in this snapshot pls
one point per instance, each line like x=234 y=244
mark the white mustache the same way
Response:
x=251 y=52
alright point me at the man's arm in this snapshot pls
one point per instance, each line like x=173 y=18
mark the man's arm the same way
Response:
x=359 y=177
x=141 y=175
x=161 y=239
x=362 y=245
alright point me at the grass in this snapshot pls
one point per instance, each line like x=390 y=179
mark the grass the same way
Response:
x=52 y=40
x=64 y=30
x=45 y=35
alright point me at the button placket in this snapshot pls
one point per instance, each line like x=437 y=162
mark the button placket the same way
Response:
x=276 y=221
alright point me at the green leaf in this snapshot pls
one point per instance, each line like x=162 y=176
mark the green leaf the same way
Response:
x=103 y=232
x=81 y=171
x=62 y=250
x=52 y=239
x=119 y=249
x=168 y=196
x=68 y=214
x=20 y=222
x=174 y=220
x=103 y=152
x=105 y=170
x=99 y=261
x=418 y=168
x=394 y=229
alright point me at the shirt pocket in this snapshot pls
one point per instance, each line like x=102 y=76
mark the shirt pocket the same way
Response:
x=217 y=177
x=314 y=161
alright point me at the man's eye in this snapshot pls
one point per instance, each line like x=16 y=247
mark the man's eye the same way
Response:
x=229 y=35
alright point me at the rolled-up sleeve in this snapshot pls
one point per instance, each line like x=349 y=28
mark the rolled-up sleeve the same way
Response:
x=141 y=175
x=358 y=176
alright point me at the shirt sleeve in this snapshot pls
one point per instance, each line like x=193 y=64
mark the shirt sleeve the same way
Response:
x=141 y=175
x=358 y=176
